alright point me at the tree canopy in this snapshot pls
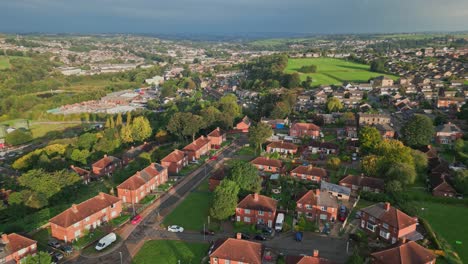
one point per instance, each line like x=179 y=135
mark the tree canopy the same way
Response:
x=369 y=139
x=334 y=104
x=245 y=175
x=258 y=135
x=418 y=131
x=225 y=200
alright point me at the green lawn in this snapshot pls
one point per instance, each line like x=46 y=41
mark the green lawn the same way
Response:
x=170 y=252
x=193 y=212
x=333 y=71
x=4 y=63
x=450 y=222
x=40 y=130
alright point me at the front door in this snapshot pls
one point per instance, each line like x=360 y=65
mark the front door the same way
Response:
x=270 y=223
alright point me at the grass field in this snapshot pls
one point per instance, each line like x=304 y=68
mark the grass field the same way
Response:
x=170 y=252
x=4 y=63
x=448 y=221
x=40 y=130
x=193 y=212
x=333 y=71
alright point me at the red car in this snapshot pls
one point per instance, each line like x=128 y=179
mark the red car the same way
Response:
x=214 y=158
x=137 y=219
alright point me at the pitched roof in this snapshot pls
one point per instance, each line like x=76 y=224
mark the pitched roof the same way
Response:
x=448 y=128
x=310 y=170
x=429 y=151
x=439 y=183
x=215 y=133
x=197 y=144
x=79 y=212
x=283 y=145
x=267 y=162
x=141 y=177
x=238 y=250
x=174 y=156
x=14 y=244
x=258 y=202
x=306 y=260
x=316 y=197
x=392 y=217
x=245 y=120
x=330 y=187
x=408 y=253
x=363 y=181
x=106 y=161
x=306 y=126
x=80 y=171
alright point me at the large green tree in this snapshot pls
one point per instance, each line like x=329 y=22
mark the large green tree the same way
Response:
x=402 y=172
x=47 y=183
x=40 y=258
x=80 y=156
x=141 y=129
x=369 y=139
x=225 y=200
x=18 y=137
x=417 y=131
x=258 y=135
x=245 y=175
x=87 y=140
x=334 y=104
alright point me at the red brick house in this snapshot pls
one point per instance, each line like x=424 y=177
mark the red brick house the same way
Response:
x=439 y=185
x=14 y=247
x=406 y=253
x=323 y=147
x=309 y=173
x=282 y=147
x=84 y=174
x=106 y=165
x=215 y=179
x=216 y=137
x=244 y=125
x=448 y=133
x=360 y=182
x=304 y=129
x=314 y=259
x=256 y=209
x=387 y=222
x=71 y=223
x=201 y=146
x=267 y=164
x=236 y=251
x=316 y=205
x=142 y=183
x=445 y=102
x=175 y=161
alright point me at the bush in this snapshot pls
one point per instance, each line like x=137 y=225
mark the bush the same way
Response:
x=18 y=137
x=308 y=69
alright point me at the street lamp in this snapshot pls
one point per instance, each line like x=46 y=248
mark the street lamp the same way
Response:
x=120 y=253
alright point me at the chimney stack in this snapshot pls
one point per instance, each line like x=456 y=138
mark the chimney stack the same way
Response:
x=5 y=239
x=101 y=195
x=105 y=155
x=317 y=192
x=316 y=253
x=74 y=208
x=255 y=196
x=387 y=206
x=72 y=166
x=239 y=236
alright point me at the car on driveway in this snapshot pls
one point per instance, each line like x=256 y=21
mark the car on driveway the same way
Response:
x=265 y=229
x=54 y=243
x=175 y=229
x=67 y=249
x=343 y=213
x=136 y=219
x=260 y=237
x=58 y=255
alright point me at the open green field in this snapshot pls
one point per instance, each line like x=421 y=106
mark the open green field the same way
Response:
x=40 y=130
x=450 y=222
x=4 y=63
x=193 y=212
x=333 y=71
x=170 y=252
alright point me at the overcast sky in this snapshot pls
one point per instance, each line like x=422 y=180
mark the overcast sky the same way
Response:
x=232 y=16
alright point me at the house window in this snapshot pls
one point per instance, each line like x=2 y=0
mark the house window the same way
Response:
x=308 y=206
x=371 y=218
x=227 y=261
x=247 y=211
x=33 y=246
x=21 y=251
x=112 y=206
x=371 y=226
x=87 y=219
x=384 y=225
x=247 y=219
x=76 y=224
x=384 y=234
x=260 y=212
x=113 y=214
x=309 y=215
x=215 y=260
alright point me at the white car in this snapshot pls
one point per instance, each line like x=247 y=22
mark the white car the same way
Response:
x=175 y=229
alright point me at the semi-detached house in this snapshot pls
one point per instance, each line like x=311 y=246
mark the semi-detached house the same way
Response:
x=256 y=209
x=175 y=161
x=73 y=222
x=14 y=247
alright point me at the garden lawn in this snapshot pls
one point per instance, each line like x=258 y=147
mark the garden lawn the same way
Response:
x=193 y=212
x=333 y=71
x=449 y=222
x=170 y=252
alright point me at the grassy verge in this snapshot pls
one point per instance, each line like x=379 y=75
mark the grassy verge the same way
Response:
x=119 y=220
x=89 y=238
x=170 y=252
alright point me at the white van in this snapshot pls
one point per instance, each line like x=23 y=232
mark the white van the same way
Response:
x=279 y=222
x=106 y=241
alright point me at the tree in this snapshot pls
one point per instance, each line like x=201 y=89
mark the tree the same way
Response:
x=185 y=124
x=34 y=200
x=292 y=80
x=129 y=118
x=402 y=172
x=393 y=187
x=80 y=156
x=259 y=134
x=333 y=163
x=355 y=258
x=87 y=140
x=369 y=165
x=245 y=175
x=40 y=258
x=210 y=115
x=420 y=161
x=141 y=129
x=225 y=200
x=228 y=105
x=18 y=137
x=196 y=124
x=108 y=123
x=281 y=110
x=119 y=121
x=334 y=104
x=46 y=183
x=391 y=152
x=369 y=139
x=15 y=198
x=460 y=182
x=418 y=131
x=190 y=84
x=378 y=65
x=126 y=134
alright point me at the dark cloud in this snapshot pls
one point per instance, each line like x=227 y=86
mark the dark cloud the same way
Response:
x=233 y=16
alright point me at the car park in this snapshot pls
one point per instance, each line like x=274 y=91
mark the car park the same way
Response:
x=136 y=219
x=175 y=229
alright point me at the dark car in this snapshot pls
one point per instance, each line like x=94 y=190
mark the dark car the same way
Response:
x=342 y=214
x=67 y=249
x=260 y=237
x=58 y=255
x=265 y=229
x=53 y=243
x=208 y=232
x=298 y=236
x=244 y=236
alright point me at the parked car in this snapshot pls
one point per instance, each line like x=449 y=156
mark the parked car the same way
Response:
x=354 y=156
x=67 y=249
x=298 y=236
x=279 y=222
x=58 y=255
x=265 y=229
x=214 y=158
x=175 y=229
x=208 y=232
x=136 y=219
x=54 y=243
x=106 y=241
x=260 y=237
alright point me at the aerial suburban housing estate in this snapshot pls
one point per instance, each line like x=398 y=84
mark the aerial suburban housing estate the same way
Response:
x=267 y=164
x=72 y=223
x=201 y=146
x=309 y=173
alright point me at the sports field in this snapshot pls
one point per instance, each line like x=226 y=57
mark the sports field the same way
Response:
x=333 y=71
